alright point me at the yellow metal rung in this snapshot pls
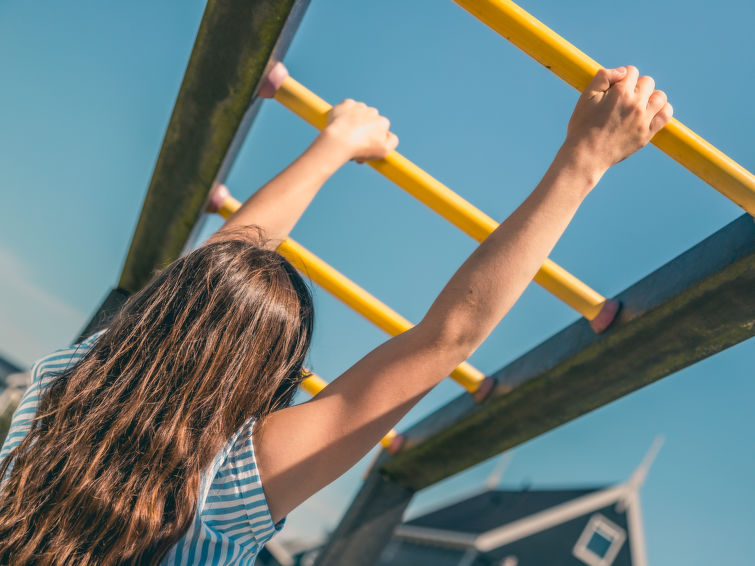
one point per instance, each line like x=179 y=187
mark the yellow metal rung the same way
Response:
x=354 y=296
x=313 y=384
x=676 y=140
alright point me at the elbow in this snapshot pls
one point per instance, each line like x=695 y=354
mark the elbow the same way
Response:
x=454 y=340
x=460 y=328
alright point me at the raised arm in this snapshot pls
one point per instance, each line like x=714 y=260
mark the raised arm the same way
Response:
x=354 y=131
x=303 y=448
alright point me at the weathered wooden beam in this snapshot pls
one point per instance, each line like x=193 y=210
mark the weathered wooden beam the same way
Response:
x=369 y=523
x=693 y=307
x=237 y=41
x=696 y=305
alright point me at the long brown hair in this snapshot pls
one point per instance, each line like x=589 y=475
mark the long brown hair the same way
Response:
x=111 y=468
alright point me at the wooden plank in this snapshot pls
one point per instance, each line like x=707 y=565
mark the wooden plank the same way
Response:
x=369 y=523
x=237 y=41
x=693 y=307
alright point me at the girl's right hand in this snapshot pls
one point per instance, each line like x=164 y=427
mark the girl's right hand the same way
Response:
x=360 y=131
x=617 y=114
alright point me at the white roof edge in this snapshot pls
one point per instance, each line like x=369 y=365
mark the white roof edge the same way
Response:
x=639 y=475
x=637 y=479
x=631 y=502
x=636 y=531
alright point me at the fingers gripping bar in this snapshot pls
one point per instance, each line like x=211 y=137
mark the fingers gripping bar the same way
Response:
x=562 y=58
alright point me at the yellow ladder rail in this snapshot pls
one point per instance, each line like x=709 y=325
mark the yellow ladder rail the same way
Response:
x=561 y=57
x=340 y=286
x=428 y=190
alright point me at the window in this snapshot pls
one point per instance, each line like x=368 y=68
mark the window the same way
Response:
x=600 y=542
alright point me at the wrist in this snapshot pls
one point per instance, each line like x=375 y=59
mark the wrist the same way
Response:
x=581 y=162
x=332 y=149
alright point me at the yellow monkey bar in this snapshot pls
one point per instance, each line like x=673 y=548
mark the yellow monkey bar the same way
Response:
x=313 y=109
x=576 y=68
x=472 y=379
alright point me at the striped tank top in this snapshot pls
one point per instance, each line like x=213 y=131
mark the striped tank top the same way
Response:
x=232 y=520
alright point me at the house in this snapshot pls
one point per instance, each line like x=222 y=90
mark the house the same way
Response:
x=599 y=526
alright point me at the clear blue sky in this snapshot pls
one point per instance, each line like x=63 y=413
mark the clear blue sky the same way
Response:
x=88 y=88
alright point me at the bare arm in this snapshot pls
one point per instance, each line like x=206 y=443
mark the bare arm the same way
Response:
x=354 y=131
x=303 y=448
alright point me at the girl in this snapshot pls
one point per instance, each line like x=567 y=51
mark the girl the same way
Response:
x=151 y=441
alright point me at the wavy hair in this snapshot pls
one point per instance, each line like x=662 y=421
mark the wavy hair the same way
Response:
x=111 y=468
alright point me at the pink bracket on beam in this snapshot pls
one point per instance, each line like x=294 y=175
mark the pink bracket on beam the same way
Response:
x=273 y=81
x=486 y=386
x=606 y=316
x=482 y=393
x=396 y=444
x=217 y=197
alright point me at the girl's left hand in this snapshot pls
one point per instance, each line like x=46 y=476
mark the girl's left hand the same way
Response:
x=360 y=131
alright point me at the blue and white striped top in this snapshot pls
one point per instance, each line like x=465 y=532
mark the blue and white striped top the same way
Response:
x=232 y=522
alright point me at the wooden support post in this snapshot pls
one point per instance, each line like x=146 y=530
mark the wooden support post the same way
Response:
x=238 y=41
x=369 y=523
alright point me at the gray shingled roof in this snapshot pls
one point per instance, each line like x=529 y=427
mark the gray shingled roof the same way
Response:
x=491 y=509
